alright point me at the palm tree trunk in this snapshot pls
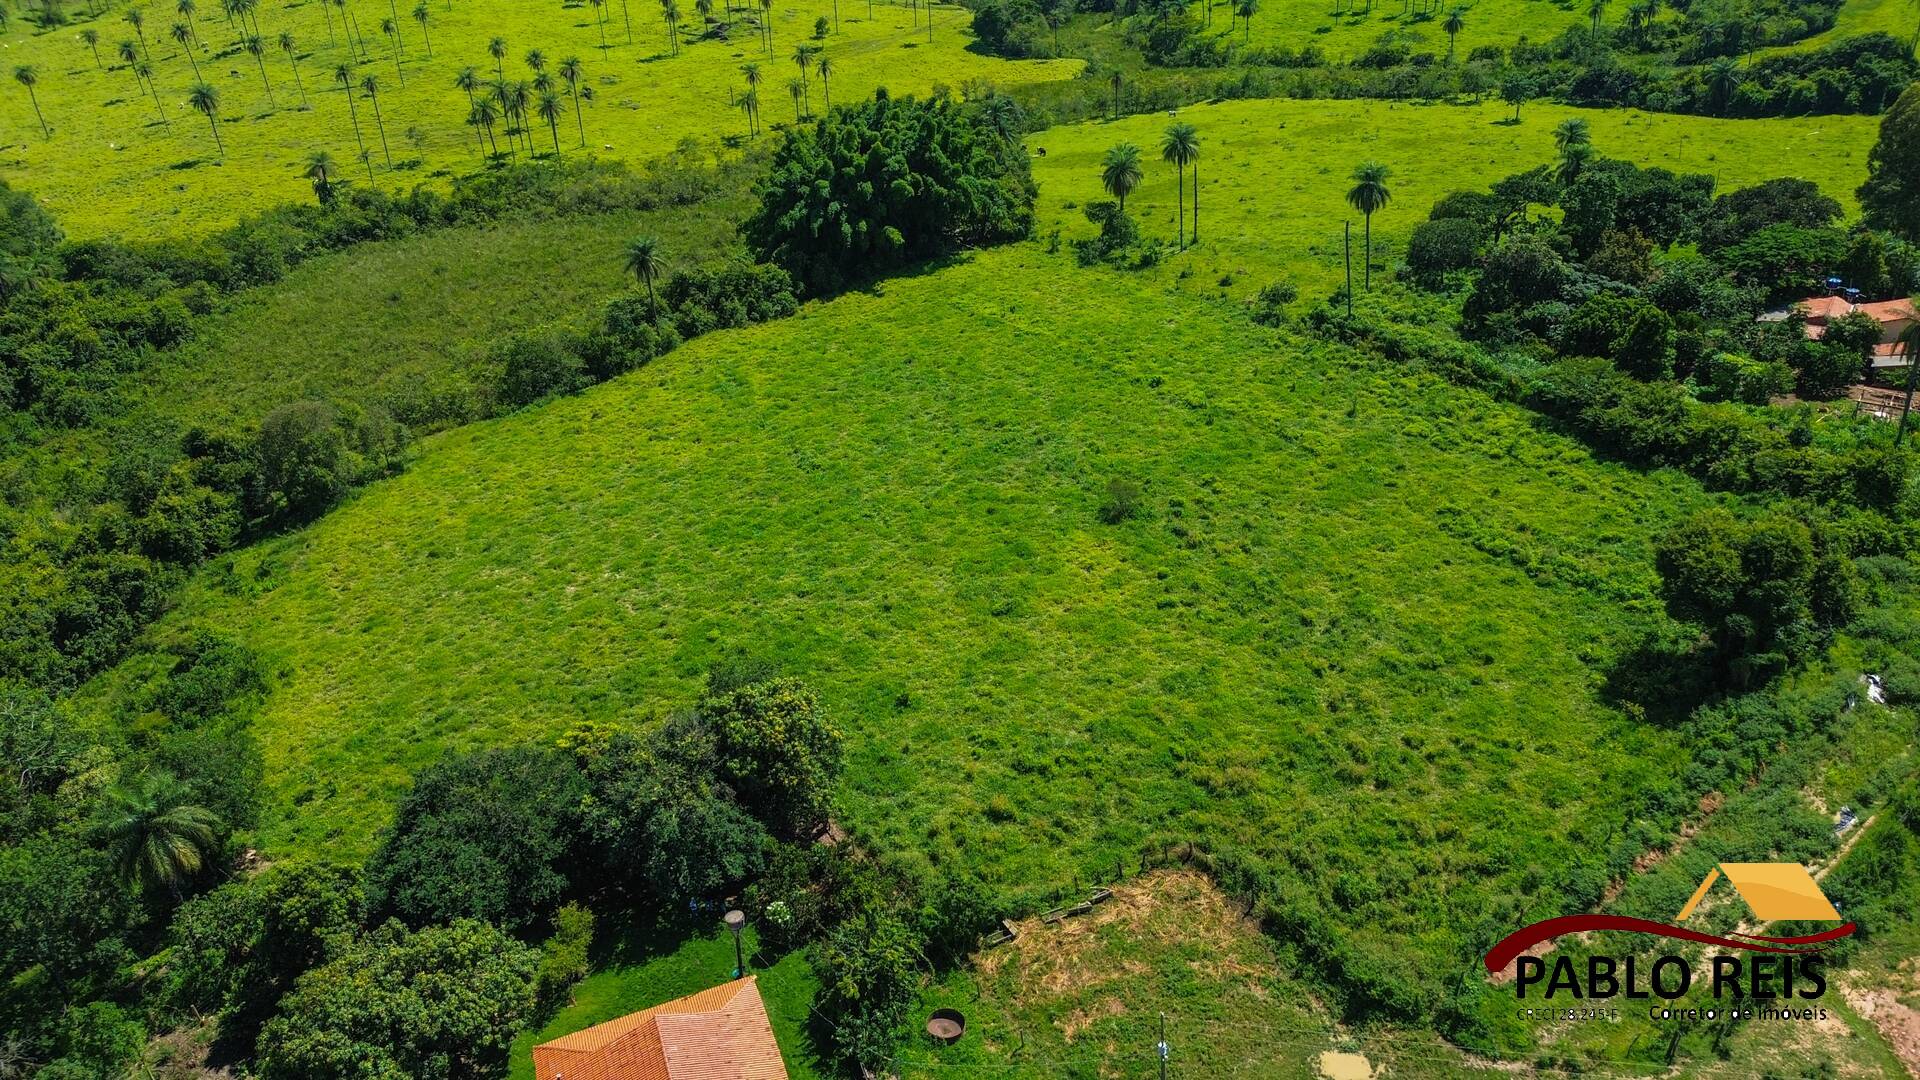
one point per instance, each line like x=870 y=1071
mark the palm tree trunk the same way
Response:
x=261 y=60
x=1366 y=268
x=354 y=113
x=381 y=124
x=45 y=131
x=298 y=84
x=577 y=119
x=1180 y=176
x=217 y=144
x=1196 y=201
x=554 y=125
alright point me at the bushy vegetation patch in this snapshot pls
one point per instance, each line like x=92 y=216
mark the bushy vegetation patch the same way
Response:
x=886 y=183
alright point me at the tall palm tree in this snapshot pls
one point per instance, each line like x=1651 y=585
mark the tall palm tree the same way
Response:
x=420 y=16
x=1179 y=147
x=766 y=23
x=536 y=61
x=207 y=100
x=322 y=171
x=517 y=99
x=1120 y=172
x=570 y=72
x=139 y=24
x=144 y=72
x=1116 y=82
x=1456 y=22
x=91 y=39
x=497 y=48
x=750 y=104
x=392 y=30
x=672 y=12
x=1247 y=10
x=1723 y=79
x=1596 y=11
x=1368 y=195
x=156 y=836
x=1573 y=131
x=803 y=56
x=182 y=35
x=187 y=10
x=372 y=87
x=256 y=48
x=550 y=110
x=646 y=261
x=796 y=87
x=482 y=116
x=26 y=75
x=293 y=61
x=600 y=20
x=1910 y=348
x=752 y=72
x=1573 y=161
x=343 y=74
x=128 y=52
x=825 y=67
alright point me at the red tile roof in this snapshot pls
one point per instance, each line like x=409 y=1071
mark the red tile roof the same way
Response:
x=717 y=1034
x=1822 y=308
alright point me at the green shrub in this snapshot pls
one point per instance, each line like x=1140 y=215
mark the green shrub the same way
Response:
x=539 y=364
x=1441 y=246
x=483 y=835
x=1122 y=501
x=1731 y=377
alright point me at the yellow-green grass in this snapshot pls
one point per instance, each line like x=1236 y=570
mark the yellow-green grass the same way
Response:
x=112 y=167
x=1343 y=32
x=1274 y=173
x=1359 y=620
x=1896 y=17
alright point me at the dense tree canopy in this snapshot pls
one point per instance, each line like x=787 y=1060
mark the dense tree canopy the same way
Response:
x=483 y=836
x=885 y=183
x=1891 y=195
x=438 y=1004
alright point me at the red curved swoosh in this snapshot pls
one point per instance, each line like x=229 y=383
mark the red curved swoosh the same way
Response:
x=1511 y=946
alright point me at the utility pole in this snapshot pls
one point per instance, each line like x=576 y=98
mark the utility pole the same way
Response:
x=1349 y=269
x=1161 y=1046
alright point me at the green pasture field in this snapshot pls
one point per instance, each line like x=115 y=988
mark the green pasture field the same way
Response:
x=1345 y=31
x=1274 y=173
x=1359 y=620
x=1896 y=17
x=113 y=167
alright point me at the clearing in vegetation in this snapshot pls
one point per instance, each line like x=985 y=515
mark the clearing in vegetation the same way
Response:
x=1355 y=618
x=113 y=167
x=1274 y=173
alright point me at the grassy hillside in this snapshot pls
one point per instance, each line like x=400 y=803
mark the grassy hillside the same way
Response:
x=1343 y=31
x=1272 y=196
x=1355 y=601
x=1896 y=17
x=113 y=166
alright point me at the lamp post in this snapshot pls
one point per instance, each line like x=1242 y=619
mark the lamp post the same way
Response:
x=736 y=921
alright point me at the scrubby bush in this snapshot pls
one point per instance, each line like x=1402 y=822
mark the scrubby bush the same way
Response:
x=538 y=364
x=1122 y=501
x=735 y=295
x=1441 y=246
x=1732 y=377
x=312 y=452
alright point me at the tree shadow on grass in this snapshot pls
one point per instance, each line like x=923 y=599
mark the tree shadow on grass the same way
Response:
x=1663 y=677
